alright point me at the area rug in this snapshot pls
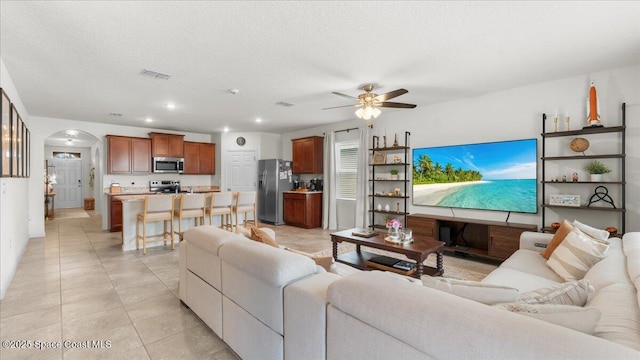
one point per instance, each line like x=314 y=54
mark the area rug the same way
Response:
x=454 y=267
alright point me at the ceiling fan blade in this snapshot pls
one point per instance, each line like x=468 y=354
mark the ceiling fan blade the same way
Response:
x=391 y=95
x=396 y=105
x=344 y=95
x=342 y=106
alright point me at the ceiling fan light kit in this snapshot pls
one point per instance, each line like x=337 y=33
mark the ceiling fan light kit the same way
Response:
x=370 y=102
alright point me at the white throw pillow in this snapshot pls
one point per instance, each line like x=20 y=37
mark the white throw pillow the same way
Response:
x=576 y=254
x=484 y=293
x=583 y=319
x=591 y=231
x=569 y=293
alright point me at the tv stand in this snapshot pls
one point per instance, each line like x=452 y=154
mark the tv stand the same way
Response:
x=495 y=240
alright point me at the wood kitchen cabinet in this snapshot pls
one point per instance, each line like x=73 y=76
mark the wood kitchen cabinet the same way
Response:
x=115 y=218
x=167 y=145
x=128 y=155
x=199 y=158
x=307 y=155
x=303 y=209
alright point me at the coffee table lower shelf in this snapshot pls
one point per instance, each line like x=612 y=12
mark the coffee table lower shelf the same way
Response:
x=359 y=261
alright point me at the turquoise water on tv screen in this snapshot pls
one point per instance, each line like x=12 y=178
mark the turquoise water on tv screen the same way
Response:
x=503 y=195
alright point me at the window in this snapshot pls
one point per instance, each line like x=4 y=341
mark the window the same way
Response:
x=347 y=169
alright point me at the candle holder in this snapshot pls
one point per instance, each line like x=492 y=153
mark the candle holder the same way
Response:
x=395 y=140
x=384 y=141
x=555 y=124
x=567 y=119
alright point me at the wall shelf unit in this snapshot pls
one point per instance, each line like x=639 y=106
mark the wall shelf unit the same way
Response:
x=620 y=174
x=382 y=189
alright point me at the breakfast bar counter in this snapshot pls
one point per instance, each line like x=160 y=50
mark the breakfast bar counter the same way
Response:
x=133 y=204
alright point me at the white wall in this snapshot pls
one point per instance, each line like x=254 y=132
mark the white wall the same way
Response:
x=14 y=199
x=516 y=114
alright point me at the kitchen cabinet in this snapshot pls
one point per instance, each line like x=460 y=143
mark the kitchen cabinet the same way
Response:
x=307 y=155
x=128 y=155
x=199 y=158
x=303 y=209
x=115 y=218
x=167 y=145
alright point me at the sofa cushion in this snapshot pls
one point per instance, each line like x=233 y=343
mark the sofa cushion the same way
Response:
x=209 y=237
x=518 y=279
x=573 y=317
x=569 y=293
x=559 y=235
x=472 y=290
x=530 y=262
x=591 y=231
x=576 y=254
x=620 y=321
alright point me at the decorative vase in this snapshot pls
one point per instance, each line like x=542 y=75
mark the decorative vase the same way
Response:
x=393 y=233
x=596 y=177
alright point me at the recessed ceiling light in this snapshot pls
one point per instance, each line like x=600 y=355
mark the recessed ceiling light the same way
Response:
x=171 y=106
x=226 y=129
x=148 y=119
x=234 y=91
x=258 y=120
x=69 y=141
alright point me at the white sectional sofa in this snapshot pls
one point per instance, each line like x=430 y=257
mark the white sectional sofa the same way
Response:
x=267 y=303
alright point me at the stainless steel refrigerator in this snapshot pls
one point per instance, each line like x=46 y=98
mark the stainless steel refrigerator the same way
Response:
x=274 y=177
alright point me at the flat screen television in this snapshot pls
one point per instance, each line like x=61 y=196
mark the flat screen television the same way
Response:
x=499 y=176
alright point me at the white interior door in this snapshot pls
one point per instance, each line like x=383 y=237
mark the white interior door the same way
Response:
x=241 y=170
x=69 y=183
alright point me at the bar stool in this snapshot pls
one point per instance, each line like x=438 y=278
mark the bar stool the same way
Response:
x=192 y=206
x=156 y=208
x=245 y=203
x=221 y=204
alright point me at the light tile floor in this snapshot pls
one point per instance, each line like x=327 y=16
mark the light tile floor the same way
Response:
x=77 y=285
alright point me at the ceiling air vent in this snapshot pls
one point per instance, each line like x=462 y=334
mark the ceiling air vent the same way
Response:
x=115 y=114
x=155 y=74
x=284 y=103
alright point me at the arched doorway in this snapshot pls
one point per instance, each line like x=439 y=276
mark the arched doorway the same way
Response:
x=72 y=157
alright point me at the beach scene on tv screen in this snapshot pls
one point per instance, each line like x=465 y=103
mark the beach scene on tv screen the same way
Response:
x=489 y=176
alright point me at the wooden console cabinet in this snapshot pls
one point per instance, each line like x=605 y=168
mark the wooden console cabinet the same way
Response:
x=488 y=239
x=303 y=209
x=307 y=155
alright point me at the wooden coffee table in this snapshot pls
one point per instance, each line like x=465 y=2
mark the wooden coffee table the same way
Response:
x=418 y=251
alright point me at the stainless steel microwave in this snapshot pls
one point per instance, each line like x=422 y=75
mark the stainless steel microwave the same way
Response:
x=168 y=165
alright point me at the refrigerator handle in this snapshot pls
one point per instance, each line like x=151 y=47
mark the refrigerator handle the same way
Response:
x=265 y=179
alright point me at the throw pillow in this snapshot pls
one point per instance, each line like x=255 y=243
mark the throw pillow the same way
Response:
x=576 y=255
x=472 y=290
x=570 y=293
x=324 y=261
x=583 y=319
x=591 y=231
x=560 y=234
x=261 y=236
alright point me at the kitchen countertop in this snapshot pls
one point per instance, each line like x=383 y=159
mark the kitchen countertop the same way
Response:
x=302 y=192
x=125 y=191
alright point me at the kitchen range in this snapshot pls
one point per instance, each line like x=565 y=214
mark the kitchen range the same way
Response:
x=166 y=187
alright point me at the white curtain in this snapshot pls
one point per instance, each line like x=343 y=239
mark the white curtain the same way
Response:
x=362 y=186
x=329 y=217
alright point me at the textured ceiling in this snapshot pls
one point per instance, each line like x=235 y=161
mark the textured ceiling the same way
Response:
x=82 y=60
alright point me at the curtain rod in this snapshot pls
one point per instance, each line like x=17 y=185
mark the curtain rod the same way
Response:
x=347 y=130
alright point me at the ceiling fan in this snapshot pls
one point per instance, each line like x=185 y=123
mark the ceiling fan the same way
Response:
x=369 y=102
